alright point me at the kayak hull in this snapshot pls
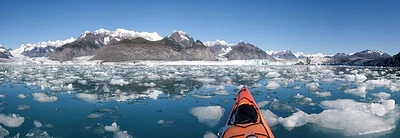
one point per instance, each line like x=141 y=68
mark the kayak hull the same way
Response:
x=246 y=119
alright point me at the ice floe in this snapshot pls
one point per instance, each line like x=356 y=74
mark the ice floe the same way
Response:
x=348 y=117
x=295 y=120
x=262 y=104
x=87 y=97
x=122 y=134
x=312 y=86
x=359 y=91
x=43 y=98
x=272 y=85
x=112 y=128
x=23 y=107
x=21 y=96
x=381 y=95
x=272 y=75
x=209 y=115
x=3 y=132
x=37 y=123
x=118 y=82
x=322 y=94
x=271 y=118
x=12 y=120
x=209 y=134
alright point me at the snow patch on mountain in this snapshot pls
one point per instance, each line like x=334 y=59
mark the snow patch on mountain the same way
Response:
x=303 y=55
x=40 y=45
x=120 y=34
x=217 y=42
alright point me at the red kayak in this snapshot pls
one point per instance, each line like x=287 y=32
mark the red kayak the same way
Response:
x=245 y=119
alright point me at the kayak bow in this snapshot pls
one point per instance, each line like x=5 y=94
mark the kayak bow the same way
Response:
x=245 y=119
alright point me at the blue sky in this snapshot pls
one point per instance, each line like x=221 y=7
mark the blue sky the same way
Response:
x=310 y=26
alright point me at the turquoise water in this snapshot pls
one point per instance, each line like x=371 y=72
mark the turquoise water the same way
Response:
x=156 y=101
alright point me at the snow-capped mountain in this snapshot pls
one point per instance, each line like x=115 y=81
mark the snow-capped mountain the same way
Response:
x=89 y=43
x=40 y=49
x=340 y=56
x=219 y=47
x=4 y=53
x=106 y=37
x=182 y=38
x=301 y=55
x=246 y=51
x=284 y=54
x=370 y=54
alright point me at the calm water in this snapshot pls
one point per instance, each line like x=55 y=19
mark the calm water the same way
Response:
x=163 y=101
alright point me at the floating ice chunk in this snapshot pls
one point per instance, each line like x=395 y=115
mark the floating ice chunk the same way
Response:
x=341 y=103
x=322 y=94
x=389 y=104
x=298 y=96
x=360 y=78
x=360 y=91
x=94 y=115
x=273 y=75
x=272 y=85
x=202 y=96
x=341 y=72
x=371 y=108
x=21 y=96
x=262 y=103
x=151 y=84
x=43 y=98
x=205 y=80
x=37 y=123
x=354 y=71
x=209 y=115
x=2 y=96
x=257 y=85
x=296 y=87
x=12 y=120
x=153 y=94
x=295 y=120
x=276 y=105
x=312 y=86
x=83 y=82
x=350 y=122
x=70 y=87
x=113 y=128
x=118 y=82
x=3 y=132
x=154 y=77
x=160 y=122
x=209 y=134
x=271 y=118
x=23 y=107
x=87 y=97
x=381 y=95
x=378 y=83
x=122 y=134
x=350 y=77
x=221 y=92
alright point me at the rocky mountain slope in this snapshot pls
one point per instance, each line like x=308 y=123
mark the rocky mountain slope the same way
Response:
x=165 y=49
x=285 y=55
x=243 y=51
x=89 y=43
x=4 y=53
x=366 y=57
